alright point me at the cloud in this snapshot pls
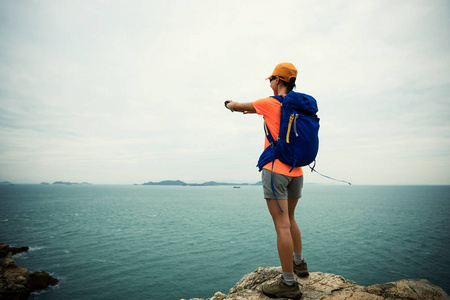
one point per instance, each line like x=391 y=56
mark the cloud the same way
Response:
x=131 y=91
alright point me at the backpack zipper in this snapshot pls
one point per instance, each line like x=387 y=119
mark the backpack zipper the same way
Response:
x=295 y=127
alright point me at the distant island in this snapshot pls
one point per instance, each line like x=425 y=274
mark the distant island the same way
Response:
x=209 y=183
x=164 y=182
x=68 y=183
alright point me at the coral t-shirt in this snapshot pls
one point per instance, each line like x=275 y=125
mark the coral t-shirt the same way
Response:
x=270 y=108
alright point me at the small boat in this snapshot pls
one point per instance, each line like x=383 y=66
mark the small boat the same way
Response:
x=236 y=187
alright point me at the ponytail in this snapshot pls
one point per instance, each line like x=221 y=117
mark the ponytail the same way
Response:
x=289 y=85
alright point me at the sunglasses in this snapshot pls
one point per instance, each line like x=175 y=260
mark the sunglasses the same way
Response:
x=274 y=77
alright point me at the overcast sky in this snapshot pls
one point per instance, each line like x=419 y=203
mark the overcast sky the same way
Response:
x=113 y=92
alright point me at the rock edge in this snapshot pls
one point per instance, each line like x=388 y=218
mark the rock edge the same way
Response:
x=330 y=286
x=17 y=283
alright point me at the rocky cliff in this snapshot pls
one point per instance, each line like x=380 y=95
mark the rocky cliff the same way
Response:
x=329 y=286
x=17 y=283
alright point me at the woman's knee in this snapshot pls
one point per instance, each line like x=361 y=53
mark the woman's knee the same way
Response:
x=284 y=224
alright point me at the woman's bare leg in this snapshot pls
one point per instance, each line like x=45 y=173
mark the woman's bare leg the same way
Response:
x=282 y=224
x=295 y=230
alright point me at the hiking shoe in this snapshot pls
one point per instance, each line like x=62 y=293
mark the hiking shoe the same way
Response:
x=301 y=270
x=279 y=289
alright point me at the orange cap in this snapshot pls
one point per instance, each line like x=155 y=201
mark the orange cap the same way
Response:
x=285 y=71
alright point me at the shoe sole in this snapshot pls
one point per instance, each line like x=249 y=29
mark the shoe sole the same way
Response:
x=302 y=274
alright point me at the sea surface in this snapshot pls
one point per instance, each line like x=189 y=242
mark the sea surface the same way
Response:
x=160 y=242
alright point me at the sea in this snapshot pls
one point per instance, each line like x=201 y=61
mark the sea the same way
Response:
x=174 y=242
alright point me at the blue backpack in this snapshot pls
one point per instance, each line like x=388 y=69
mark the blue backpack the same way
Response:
x=298 y=140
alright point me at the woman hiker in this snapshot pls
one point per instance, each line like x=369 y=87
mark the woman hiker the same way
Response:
x=287 y=186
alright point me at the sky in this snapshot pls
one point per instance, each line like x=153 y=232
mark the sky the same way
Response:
x=124 y=92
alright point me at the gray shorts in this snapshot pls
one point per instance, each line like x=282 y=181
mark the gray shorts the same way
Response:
x=285 y=187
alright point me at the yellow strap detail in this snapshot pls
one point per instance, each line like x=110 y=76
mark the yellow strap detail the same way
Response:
x=291 y=119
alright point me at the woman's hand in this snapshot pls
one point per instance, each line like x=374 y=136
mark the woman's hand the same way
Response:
x=229 y=105
x=243 y=107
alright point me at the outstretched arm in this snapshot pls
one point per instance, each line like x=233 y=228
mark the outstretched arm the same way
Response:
x=245 y=107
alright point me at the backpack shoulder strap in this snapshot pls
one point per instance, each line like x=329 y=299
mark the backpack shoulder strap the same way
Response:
x=269 y=135
x=266 y=128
